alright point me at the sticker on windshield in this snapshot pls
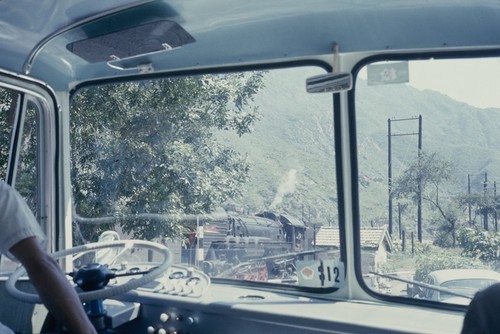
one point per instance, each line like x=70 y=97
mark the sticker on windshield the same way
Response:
x=388 y=73
x=321 y=273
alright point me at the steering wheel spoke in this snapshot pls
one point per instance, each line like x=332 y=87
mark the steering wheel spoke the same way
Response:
x=99 y=291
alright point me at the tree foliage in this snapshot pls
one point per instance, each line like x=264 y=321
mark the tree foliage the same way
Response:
x=6 y=118
x=444 y=226
x=481 y=245
x=150 y=147
x=436 y=258
x=479 y=205
x=424 y=178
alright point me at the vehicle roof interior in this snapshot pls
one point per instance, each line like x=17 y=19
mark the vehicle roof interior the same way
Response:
x=39 y=45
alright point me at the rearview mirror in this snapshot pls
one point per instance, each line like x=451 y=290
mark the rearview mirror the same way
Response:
x=329 y=83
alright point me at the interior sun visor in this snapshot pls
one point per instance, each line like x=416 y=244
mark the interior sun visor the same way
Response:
x=163 y=35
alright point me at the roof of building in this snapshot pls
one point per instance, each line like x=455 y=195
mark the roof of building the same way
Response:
x=370 y=237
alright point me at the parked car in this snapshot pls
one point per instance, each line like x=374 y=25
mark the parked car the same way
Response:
x=460 y=282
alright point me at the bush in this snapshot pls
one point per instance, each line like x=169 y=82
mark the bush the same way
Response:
x=479 y=244
x=435 y=258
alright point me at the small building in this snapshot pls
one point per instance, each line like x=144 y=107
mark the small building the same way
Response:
x=375 y=244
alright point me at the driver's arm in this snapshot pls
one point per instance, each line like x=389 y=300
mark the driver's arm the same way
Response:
x=54 y=289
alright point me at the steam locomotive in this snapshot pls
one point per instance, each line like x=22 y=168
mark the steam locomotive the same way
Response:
x=228 y=244
x=232 y=245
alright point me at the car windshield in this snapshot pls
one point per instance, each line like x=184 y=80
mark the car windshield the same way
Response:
x=234 y=172
x=428 y=172
x=465 y=286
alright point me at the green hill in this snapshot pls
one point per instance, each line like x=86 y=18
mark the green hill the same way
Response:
x=301 y=151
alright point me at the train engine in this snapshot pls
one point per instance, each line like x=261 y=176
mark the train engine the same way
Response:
x=228 y=245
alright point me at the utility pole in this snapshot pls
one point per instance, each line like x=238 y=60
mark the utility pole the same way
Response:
x=389 y=172
x=419 y=204
x=399 y=221
x=468 y=193
x=495 y=205
x=495 y=218
x=485 y=217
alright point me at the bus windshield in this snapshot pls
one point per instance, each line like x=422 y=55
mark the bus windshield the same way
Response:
x=234 y=172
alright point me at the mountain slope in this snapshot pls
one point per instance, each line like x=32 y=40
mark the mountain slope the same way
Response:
x=295 y=136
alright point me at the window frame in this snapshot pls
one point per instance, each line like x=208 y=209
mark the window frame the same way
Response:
x=360 y=62
x=44 y=100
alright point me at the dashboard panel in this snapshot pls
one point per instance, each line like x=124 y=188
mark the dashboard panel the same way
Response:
x=164 y=308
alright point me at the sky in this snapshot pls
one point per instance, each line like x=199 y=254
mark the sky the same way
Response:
x=475 y=82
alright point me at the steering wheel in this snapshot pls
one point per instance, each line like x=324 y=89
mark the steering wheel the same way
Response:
x=102 y=293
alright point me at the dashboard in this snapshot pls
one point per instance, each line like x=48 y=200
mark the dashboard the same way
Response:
x=185 y=301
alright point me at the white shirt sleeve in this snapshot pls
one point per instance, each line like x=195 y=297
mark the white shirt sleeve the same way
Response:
x=17 y=222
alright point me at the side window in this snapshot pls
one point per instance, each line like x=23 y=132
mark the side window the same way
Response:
x=8 y=107
x=428 y=173
x=26 y=175
x=26 y=167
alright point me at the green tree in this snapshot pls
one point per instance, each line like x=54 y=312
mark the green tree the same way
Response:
x=435 y=258
x=26 y=160
x=445 y=224
x=7 y=113
x=479 y=244
x=480 y=205
x=150 y=147
x=425 y=177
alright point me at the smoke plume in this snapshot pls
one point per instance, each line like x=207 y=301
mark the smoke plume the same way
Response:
x=286 y=187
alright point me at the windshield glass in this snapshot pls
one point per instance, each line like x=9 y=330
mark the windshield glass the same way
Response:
x=428 y=170
x=233 y=172
x=468 y=286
